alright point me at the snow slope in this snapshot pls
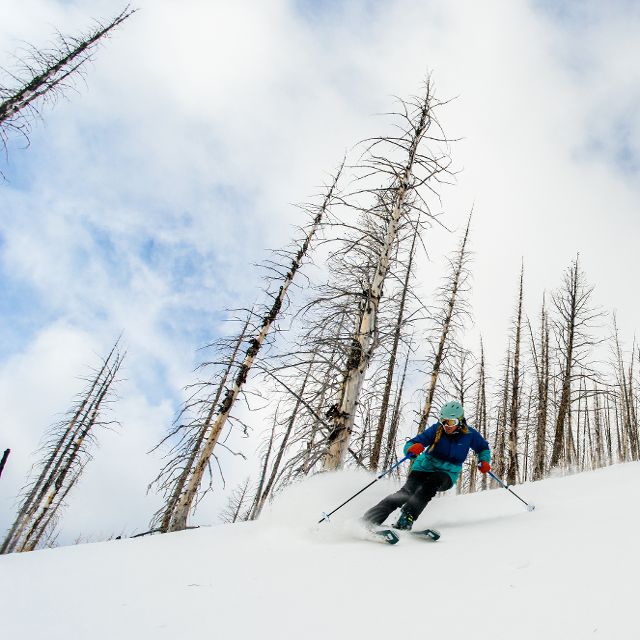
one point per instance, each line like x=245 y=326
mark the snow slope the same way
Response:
x=568 y=570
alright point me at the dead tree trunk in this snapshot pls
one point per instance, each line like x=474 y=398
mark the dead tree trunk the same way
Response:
x=512 y=465
x=45 y=478
x=265 y=466
x=406 y=181
x=48 y=74
x=501 y=423
x=179 y=518
x=395 y=417
x=574 y=320
x=174 y=487
x=451 y=293
x=481 y=414
x=237 y=509
x=382 y=418
x=264 y=495
x=598 y=436
x=65 y=460
x=541 y=363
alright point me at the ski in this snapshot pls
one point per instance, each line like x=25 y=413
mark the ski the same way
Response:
x=429 y=534
x=386 y=535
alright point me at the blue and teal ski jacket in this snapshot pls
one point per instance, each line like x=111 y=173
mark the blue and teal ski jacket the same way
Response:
x=449 y=452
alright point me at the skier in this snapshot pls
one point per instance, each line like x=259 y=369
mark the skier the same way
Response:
x=439 y=452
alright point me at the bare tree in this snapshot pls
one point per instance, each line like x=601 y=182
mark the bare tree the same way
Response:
x=573 y=327
x=449 y=318
x=392 y=445
x=599 y=438
x=233 y=392
x=500 y=436
x=66 y=453
x=239 y=505
x=480 y=422
x=193 y=424
x=542 y=370
x=44 y=74
x=516 y=382
x=393 y=204
x=625 y=399
x=264 y=493
x=374 y=458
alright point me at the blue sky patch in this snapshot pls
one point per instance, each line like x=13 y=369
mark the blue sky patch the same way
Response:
x=23 y=314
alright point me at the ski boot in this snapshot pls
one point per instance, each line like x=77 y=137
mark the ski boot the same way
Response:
x=405 y=522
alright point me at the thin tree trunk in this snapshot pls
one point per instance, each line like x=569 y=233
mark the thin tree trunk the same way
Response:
x=597 y=418
x=179 y=519
x=559 y=452
x=58 y=457
x=446 y=326
x=253 y=513
x=364 y=341
x=54 y=74
x=542 y=376
x=69 y=462
x=283 y=447
x=181 y=481
x=481 y=411
x=501 y=427
x=395 y=418
x=512 y=468
x=382 y=419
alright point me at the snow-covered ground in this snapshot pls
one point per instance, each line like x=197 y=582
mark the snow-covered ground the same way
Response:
x=567 y=570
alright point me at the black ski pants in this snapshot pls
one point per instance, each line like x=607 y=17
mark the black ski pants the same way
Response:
x=413 y=497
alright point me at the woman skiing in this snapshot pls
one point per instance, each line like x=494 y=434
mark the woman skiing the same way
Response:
x=439 y=453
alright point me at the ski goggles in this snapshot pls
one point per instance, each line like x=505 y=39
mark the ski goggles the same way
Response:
x=450 y=422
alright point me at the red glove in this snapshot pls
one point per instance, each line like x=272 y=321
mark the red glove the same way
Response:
x=484 y=467
x=415 y=450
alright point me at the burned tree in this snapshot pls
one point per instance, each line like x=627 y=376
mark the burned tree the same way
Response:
x=392 y=435
x=374 y=457
x=626 y=399
x=480 y=422
x=66 y=453
x=500 y=434
x=540 y=352
x=44 y=74
x=238 y=507
x=408 y=168
x=193 y=424
x=516 y=383
x=221 y=413
x=265 y=489
x=450 y=316
x=573 y=326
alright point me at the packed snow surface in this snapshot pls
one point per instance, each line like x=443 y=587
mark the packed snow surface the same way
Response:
x=568 y=570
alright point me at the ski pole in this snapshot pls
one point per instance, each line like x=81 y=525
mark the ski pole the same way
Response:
x=530 y=507
x=325 y=516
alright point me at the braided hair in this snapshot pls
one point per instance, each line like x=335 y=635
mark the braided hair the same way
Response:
x=463 y=427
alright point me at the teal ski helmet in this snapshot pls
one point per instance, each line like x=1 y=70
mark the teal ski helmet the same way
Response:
x=452 y=411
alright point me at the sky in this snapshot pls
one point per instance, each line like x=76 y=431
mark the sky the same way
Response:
x=149 y=192
x=550 y=573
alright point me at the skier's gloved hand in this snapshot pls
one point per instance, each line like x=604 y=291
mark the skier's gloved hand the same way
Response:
x=415 y=450
x=484 y=467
